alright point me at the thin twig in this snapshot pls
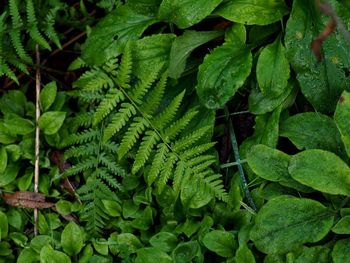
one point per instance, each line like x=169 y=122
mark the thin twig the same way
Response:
x=37 y=133
x=239 y=162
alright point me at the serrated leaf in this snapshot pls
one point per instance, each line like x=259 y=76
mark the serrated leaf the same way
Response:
x=341 y=117
x=50 y=122
x=48 y=95
x=184 y=45
x=253 y=12
x=272 y=69
x=222 y=73
x=186 y=13
x=321 y=170
x=285 y=223
x=321 y=83
x=311 y=130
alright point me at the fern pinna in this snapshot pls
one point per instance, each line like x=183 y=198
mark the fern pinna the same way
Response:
x=131 y=113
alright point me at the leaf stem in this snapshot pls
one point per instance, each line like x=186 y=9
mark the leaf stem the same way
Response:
x=238 y=161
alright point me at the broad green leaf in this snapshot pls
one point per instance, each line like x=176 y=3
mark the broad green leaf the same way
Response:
x=13 y=101
x=151 y=54
x=321 y=83
x=343 y=226
x=123 y=24
x=6 y=137
x=9 y=175
x=28 y=255
x=63 y=207
x=222 y=73
x=101 y=246
x=25 y=180
x=186 y=252
x=19 y=239
x=285 y=223
x=48 y=95
x=5 y=249
x=311 y=130
x=221 y=242
x=38 y=242
x=318 y=254
x=253 y=12
x=4 y=226
x=18 y=125
x=13 y=151
x=50 y=122
x=341 y=252
x=113 y=208
x=272 y=69
x=144 y=220
x=236 y=34
x=49 y=255
x=272 y=165
x=341 y=117
x=149 y=254
x=321 y=170
x=164 y=240
x=128 y=243
x=3 y=159
x=244 y=255
x=72 y=239
x=184 y=45
x=260 y=103
x=15 y=219
x=184 y=13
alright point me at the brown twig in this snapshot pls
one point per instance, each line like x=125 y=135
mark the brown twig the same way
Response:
x=37 y=133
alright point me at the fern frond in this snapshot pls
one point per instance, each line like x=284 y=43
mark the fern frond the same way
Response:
x=197 y=150
x=5 y=70
x=166 y=172
x=14 y=13
x=110 y=180
x=82 y=166
x=82 y=137
x=199 y=168
x=81 y=150
x=145 y=84
x=109 y=102
x=169 y=112
x=155 y=96
x=134 y=132
x=181 y=175
x=49 y=29
x=15 y=36
x=148 y=142
x=157 y=163
x=112 y=166
x=213 y=184
x=119 y=120
x=110 y=147
x=83 y=119
x=174 y=129
x=18 y=64
x=191 y=139
x=111 y=67
x=200 y=159
x=124 y=71
x=94 y=80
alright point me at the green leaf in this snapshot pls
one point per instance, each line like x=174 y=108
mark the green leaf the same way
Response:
x=253 y=12
x=63 y=207
x=343 y=226
x=149 y=254
x=4 y=226
x=222 y=73
x=341 y=252
x=123 y=23
x=185 y=13
x=3 y=159
x=285 y=223
x=184 y=45
x=318 y=254
x=272 y=69
x=18 y=125
x=164 y=240
x=221 y=242
x=72 y=239
x=186 y=252
x=28 y=255
x=38 y=242
x=244 y=255
x=128 y=243
x=321 y=83
x=50 y=122
x=272 y=165
x=48 y=95
x=341 y=116
x=311 y=130
x=113 y=208
x=9 y=175
x=321 y=170
x=13 y=101
x=49 y=255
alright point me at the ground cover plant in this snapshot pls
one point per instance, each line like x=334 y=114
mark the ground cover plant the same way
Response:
x=174 y=131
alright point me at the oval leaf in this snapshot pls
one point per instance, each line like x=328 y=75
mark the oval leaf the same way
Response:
x=272 y=69
x=48 y=95
x=49 y=255
x=72 y=239
x=186 y=13
x=321 y=170
x=164 y=240
x=284 y=223
x=18 y=125
x=253 y=12
x=50 y=122
x=343 y=226
x=221 y=242
x=341 y=118
x=341 y=251
x=3 y=159
x=222 y=73
x=4 y=226
x=149 y=254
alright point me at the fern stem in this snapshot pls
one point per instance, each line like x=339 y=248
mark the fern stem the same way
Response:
x=239 y=162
